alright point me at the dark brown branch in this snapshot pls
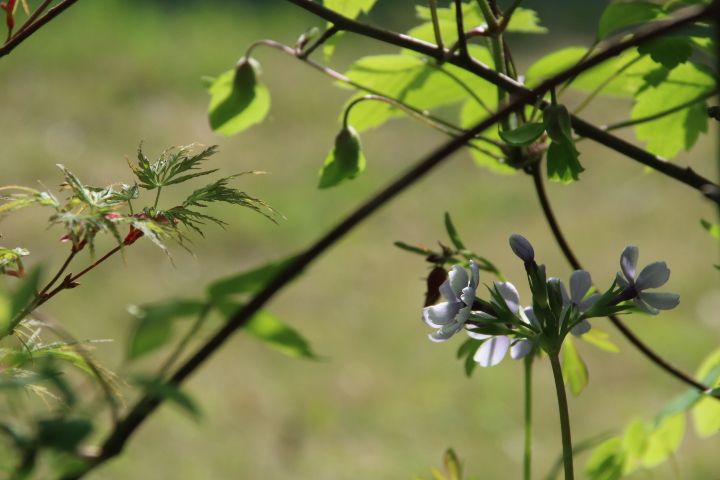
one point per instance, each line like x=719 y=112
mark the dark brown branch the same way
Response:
x=574 y=263
x=117 y=439
x=684 y=175
x=28 y=30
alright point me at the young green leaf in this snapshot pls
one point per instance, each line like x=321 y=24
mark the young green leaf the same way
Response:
x=574 y=369
x=606 y=462
x=238 y=100
x=669 y=51
x=600 y=339
x=620 y=15
x=346 y=161
x=452 y=233
x=664 y=440
x=63 y=434
x=706 y=413
x=524 y=135
x=154 y=324
x=562 y=156
x=347 y=8
x=712 y=228
x=247 y=282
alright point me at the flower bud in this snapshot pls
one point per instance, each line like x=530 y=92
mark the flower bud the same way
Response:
x=522 y=248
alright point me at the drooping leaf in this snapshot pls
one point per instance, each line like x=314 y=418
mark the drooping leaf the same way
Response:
x=171 y=393
x=154 y=324
x=25 y=197
x=600 y=339
x=273 y=332
x=251 y=281
x=668 y=51
x=562 y=156
x=238 y=100
x=670 y=134
x=573 y=367
x=346 y=161
x=620 y=15
x=63 y=434
x=524 y=135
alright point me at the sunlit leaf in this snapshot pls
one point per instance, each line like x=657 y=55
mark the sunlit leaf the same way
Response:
x=524 y=135
x=706 y=413
x=346 y=161
x=620 y=15
x=525 y=20
x=238 y=100
x=668 y=51
x=600 y=339
x=606 y=461
x=712 y=228
x=670 y=134
x=664 y=440
x=574 y=369
x=347 y=8
x=247 y=282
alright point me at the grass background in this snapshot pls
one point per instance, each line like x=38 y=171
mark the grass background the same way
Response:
x=383 y=402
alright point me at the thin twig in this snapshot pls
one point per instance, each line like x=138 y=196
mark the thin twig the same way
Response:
x=574 y=263
x=436 y=30
x=22 y=35
x=326 y=35
x=462 y=40
x=117 y=439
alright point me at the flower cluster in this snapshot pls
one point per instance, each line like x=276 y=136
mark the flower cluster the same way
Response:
x=502 y=324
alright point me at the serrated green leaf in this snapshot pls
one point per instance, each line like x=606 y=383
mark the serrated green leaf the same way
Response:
x=348 y=8
x=562 y=163
x=600 y=339
x=345 y=162
x=154 y=324
x=573 y=367
x=238 y=100
x=620 y=15
x=668 y=51
x=524 y=135
x=712 y=228
x=525 y=20
x=670 y=134
x=172 y=393
x=664 y=440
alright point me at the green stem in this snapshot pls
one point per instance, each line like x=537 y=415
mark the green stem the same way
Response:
x=157 y=198
x=527 y=457
x=436 y=29
x=564 y=416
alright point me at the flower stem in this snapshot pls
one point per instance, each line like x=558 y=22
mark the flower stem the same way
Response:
x=564 y=416
x=527 y=457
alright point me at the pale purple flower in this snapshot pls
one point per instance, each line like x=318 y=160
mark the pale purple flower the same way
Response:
x=495 y=347
x=580 y=285
x=652 y=276
x=450 y=316
x=522 y=248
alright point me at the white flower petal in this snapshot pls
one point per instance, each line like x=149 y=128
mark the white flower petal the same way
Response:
x=522 y=248
x=645 y=307
x=587 y=304
x=521 y=348
x=580 y=283
x=468 y=295
x=628 y=262
x=620 y=280
x=441 y=314
x=660 y=300
x=492 y=351
x=447 y=292
x=510 y=294
x=653 y=276
x=581 y=328
x=477 y=336
x=475 y=274
x=458 y=279
x=445 y=332
x=563 y=291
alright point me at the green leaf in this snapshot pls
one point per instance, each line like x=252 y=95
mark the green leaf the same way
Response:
x=171 y=393
x=467 y=349
x=600 y=339
x=574 y=369
x=668 y=51
x=21 y=300
x=712 y=228
x=237 y=99
x=348 y=8
x=670 y=134
x=562 y=163
x=634 y=443
x=272 y=331
x=452 y=233
x=413 y=249
x=606 y=461
x=525 y=20
x=346 y=161
x=63 y=434
x=247 y=282
x=154 y=324
x=621 y=15
x=664 y=440
x=452 y=465
x=11 y=260
x=523 y=135
x=706 y=413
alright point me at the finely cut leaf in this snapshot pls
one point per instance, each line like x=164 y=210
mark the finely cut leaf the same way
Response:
x=238 y=100
x=247 y=282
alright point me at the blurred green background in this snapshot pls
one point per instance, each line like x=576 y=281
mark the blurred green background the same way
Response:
x=383 y=402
